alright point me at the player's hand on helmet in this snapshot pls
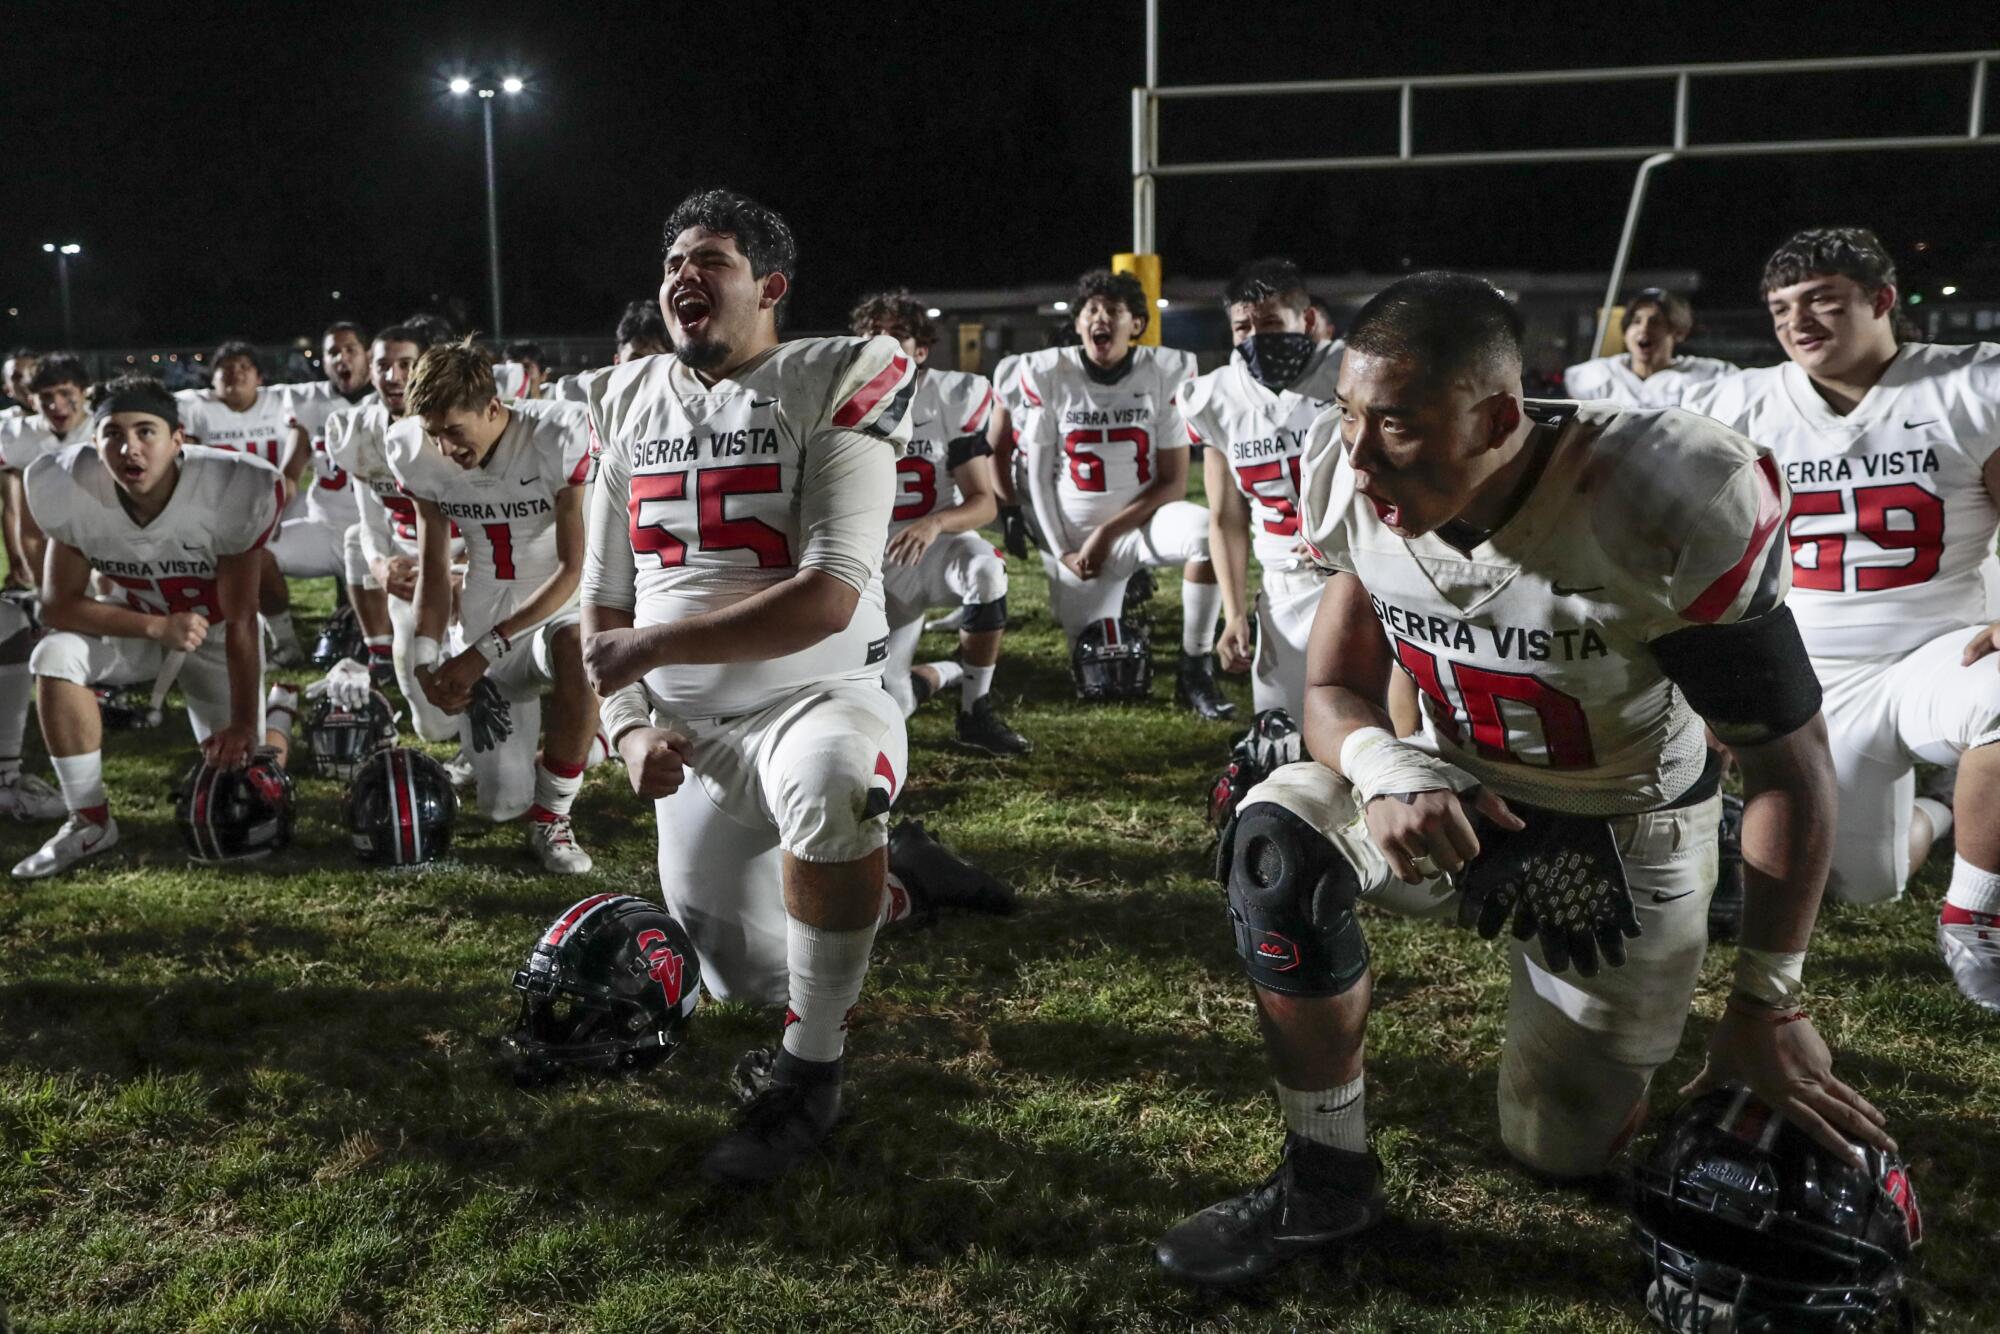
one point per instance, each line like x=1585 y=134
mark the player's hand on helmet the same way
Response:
x=1232 y=647
x=654 y=761
x=1427 y=834
x=346 y=683
x=1779 y=1056
x=183 y=631
x=1986 y=642
x=230 y=747
x=614 y=659
x=908 y=547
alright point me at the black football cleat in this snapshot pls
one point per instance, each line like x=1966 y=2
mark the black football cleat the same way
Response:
x=983 y=729
x=1195 y=687
x=793 y=1107
x=1725 y=910
x=938 y=878
x=1260 y=1231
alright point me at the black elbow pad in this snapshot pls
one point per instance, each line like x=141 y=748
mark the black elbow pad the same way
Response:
x=1751 y=681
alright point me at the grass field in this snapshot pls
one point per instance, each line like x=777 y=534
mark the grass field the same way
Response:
x=260 y=1099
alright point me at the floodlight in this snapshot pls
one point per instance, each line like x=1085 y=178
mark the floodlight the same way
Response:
x=511 y=84
x=934 y=312
x=461 y=85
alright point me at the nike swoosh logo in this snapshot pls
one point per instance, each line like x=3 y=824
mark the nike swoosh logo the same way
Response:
x=1341 y=1108
x=1911 y=426
x=1563 y=592
x=1670 y=898
x=527 y=481
x=762 y=402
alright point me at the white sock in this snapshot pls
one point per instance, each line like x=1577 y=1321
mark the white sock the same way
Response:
x=1200 y=604
x=82 y=779
x=948 y=674
x=1335 y=1117
x=17 y=690
x=978 y=681
x=281 y=709
x=1938 y=814
x=1973 y=889
x=556 y=788
x=827 y=968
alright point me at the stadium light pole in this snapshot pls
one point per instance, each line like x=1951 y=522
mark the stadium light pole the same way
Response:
x=62 y=254
x=511 y=86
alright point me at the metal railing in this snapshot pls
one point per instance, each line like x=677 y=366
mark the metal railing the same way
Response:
x=1147 y=166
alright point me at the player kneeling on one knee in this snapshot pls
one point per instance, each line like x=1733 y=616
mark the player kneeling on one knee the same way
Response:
x=512 y=479
x=1572 y=805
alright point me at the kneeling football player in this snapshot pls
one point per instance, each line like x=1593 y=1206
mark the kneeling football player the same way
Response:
x=512 y=479
x=180 y=532
x=1565 y=788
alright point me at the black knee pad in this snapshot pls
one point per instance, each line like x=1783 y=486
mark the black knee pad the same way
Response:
x=981 y=616
x=1291 y=904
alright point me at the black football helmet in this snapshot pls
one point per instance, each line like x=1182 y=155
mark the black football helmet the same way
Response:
x=400 y=807
x=339 y=739
x=1112 y=660
x=1275 y=741
x=608 y=988
x=1747 y=1224
x=340 y=637
x=229 y=815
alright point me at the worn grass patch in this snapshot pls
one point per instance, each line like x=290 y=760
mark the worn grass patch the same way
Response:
x=259 y=1099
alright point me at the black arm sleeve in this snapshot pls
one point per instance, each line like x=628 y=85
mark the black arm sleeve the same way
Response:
x=964 y=450
x=1751 y=681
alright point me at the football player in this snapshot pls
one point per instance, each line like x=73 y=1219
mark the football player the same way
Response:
x=1252 y=413
x=178 y=532
x=1107 y=475
x=1325 y=329
x=60 y=421
x=535 y=362
x=734 y=626
x=1573 y=588
x=1651 y=372
x=944 y=492
x=511 y=479
x=15 y=376
x=1892 y=450
x=313 y=545
x=381 y=554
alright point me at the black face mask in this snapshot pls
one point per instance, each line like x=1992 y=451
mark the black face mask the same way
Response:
x=1275 y=359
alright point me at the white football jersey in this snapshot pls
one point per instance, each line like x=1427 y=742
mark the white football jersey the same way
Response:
x=506 y=507
x=1106 y=436
x=224 y=504
x=331 y=498
x=1531 y=651
x=1890 y=514
x=710 y=477
x=947 y=427
x=261 y=431
x=1007 y=381
x=25 y=439
x=358 y=444
x=1262 y=434
x=1612 y=379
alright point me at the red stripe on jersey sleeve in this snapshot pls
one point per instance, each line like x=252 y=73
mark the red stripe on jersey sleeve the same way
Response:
x=865 y=398
x=1720 y=595
x=1028 y=390
x=581 y=472
x=276 y=519
x=977 y=421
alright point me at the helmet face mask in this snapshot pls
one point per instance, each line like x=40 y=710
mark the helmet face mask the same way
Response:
x=339 y=739
x=400 y=808
x=1746 y=1224
x=1112 y=660
x=607 y=989
x=340 y=637
x=230 y=815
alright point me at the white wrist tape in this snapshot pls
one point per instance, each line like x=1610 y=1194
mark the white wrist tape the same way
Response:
x=426 y=652
x=1379 y=765
x=624 y=709
x=493 y=646
x=1771 y=978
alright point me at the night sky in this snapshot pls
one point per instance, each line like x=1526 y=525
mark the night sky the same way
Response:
x=227 y=168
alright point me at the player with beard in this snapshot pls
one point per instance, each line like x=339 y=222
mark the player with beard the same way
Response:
x=1892 y=449
x=1644 y=552
x=1252 y=414
x=944 y=492
x=1107 y=475
x=1651 y=372
x=313 y=545
x=179 y=533
x=381 y=551
x=734 y=627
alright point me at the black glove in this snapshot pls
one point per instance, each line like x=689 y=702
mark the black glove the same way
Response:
x=491 y=716
x=1014 y=531
x=1561 y=880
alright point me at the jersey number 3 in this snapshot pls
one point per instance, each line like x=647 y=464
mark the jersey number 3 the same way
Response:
x=714 y=530
x=1565 y=730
